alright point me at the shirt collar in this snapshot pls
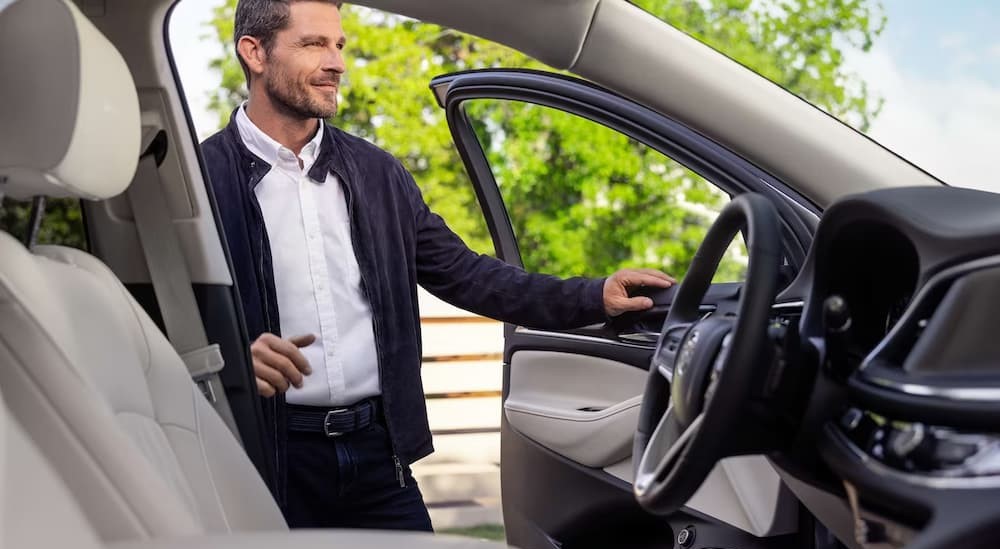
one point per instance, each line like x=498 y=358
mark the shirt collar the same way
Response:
x=269 y=150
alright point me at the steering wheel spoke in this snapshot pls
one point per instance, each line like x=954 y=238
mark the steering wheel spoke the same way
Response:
x=665 y=446
x=669 y=346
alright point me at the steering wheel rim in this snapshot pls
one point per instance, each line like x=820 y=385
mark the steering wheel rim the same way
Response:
x=696 y=392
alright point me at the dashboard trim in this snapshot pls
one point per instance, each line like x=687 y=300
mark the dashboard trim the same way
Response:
x=865 y=371
x=873 y=465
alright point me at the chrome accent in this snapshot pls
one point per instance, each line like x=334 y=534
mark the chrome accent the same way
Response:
x=640 y=337
x=686 y=353
x=790 y=201
x=789 y=305
x=987 y=394
x=919 y=389
x=578 y=337
x=877 y=467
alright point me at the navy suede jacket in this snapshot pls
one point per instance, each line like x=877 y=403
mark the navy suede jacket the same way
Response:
x=399 y=243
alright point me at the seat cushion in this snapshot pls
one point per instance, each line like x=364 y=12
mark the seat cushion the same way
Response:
x=104 y=395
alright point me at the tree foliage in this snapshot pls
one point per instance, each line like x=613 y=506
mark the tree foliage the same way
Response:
x=582 y=199
x=62 y=223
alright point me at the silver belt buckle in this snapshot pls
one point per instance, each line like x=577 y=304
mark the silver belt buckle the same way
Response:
x=326 y=423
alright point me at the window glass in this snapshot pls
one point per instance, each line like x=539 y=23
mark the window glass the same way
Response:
x=584 y=199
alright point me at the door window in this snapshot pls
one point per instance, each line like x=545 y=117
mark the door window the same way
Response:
x=584 y=199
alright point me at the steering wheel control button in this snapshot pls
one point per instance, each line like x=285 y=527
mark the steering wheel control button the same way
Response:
x=696 y=362
x=685 y=538
x=904 y=441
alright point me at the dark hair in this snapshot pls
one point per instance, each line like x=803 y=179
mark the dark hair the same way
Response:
x=262 y=19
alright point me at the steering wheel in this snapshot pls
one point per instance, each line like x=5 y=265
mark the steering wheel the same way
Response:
x=705 y=368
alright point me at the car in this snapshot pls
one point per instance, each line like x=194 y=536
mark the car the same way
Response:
x=842 y=393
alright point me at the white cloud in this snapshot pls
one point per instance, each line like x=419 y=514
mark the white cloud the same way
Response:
x=951 y=128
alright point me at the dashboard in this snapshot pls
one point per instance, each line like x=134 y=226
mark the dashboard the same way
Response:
x=902 y=302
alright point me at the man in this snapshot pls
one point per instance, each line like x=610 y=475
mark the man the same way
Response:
x=332 y=233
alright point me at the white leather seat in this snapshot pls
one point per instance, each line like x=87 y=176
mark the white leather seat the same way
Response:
x=36 y=510
x=84 y=370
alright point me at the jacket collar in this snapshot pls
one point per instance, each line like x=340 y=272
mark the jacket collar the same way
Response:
x=332 y=156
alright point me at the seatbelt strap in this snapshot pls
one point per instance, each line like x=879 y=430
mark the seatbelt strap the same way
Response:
x=171 y=277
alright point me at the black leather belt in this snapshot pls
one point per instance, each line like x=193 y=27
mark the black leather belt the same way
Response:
x=333 y=422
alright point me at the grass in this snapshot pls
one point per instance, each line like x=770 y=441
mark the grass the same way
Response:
x=492 y=532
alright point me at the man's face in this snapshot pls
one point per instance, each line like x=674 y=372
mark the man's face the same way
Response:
x=302 y=71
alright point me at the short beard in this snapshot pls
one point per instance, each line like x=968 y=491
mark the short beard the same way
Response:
x=289 y=97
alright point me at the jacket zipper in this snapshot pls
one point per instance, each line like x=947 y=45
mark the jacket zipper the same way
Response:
x=399 y=471
x=375 y=323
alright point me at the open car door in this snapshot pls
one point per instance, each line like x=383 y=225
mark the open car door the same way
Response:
x=532 y=144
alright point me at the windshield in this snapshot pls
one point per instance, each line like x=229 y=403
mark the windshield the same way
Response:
x=921 y=77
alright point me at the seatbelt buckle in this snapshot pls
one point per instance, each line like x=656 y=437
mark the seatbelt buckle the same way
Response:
x=206 y=389
x=328 y=420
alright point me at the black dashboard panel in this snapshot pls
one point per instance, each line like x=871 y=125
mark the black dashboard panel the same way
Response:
x=877 y=249
x=906 y=401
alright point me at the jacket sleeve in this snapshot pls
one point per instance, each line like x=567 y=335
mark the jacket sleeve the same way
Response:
x=447 y=268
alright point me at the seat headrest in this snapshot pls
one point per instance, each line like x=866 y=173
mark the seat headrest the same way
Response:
x=69 y=112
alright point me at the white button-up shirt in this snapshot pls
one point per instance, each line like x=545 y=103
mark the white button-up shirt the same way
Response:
x=316 y=273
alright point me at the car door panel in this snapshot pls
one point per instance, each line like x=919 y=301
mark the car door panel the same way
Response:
x=583 y=408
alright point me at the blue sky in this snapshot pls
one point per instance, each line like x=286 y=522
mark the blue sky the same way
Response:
x=937 y=65
x=945 y=39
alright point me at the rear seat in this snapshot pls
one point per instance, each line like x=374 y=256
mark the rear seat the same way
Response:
x=85 y=372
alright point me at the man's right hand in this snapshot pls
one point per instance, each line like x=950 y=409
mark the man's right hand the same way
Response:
x=278 y=363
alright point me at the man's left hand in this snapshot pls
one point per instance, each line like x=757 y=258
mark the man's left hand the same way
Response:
x=616 y=298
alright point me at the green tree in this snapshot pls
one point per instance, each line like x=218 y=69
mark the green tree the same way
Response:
x=62 y=223
x=582 y=201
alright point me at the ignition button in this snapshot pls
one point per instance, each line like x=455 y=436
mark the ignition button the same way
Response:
x=685 y=538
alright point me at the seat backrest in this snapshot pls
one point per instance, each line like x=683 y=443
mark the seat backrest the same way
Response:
x=85 y=371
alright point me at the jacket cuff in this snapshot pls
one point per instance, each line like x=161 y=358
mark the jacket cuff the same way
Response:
x=592 y=307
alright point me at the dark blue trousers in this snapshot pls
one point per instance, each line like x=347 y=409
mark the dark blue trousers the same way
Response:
x=351 y=481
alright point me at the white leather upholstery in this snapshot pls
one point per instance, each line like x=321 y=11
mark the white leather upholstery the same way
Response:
x=583 y=408
x=69 y=113
x=107 y=398
x=35 y=509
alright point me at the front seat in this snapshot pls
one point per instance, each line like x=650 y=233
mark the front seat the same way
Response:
x=85 y=371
